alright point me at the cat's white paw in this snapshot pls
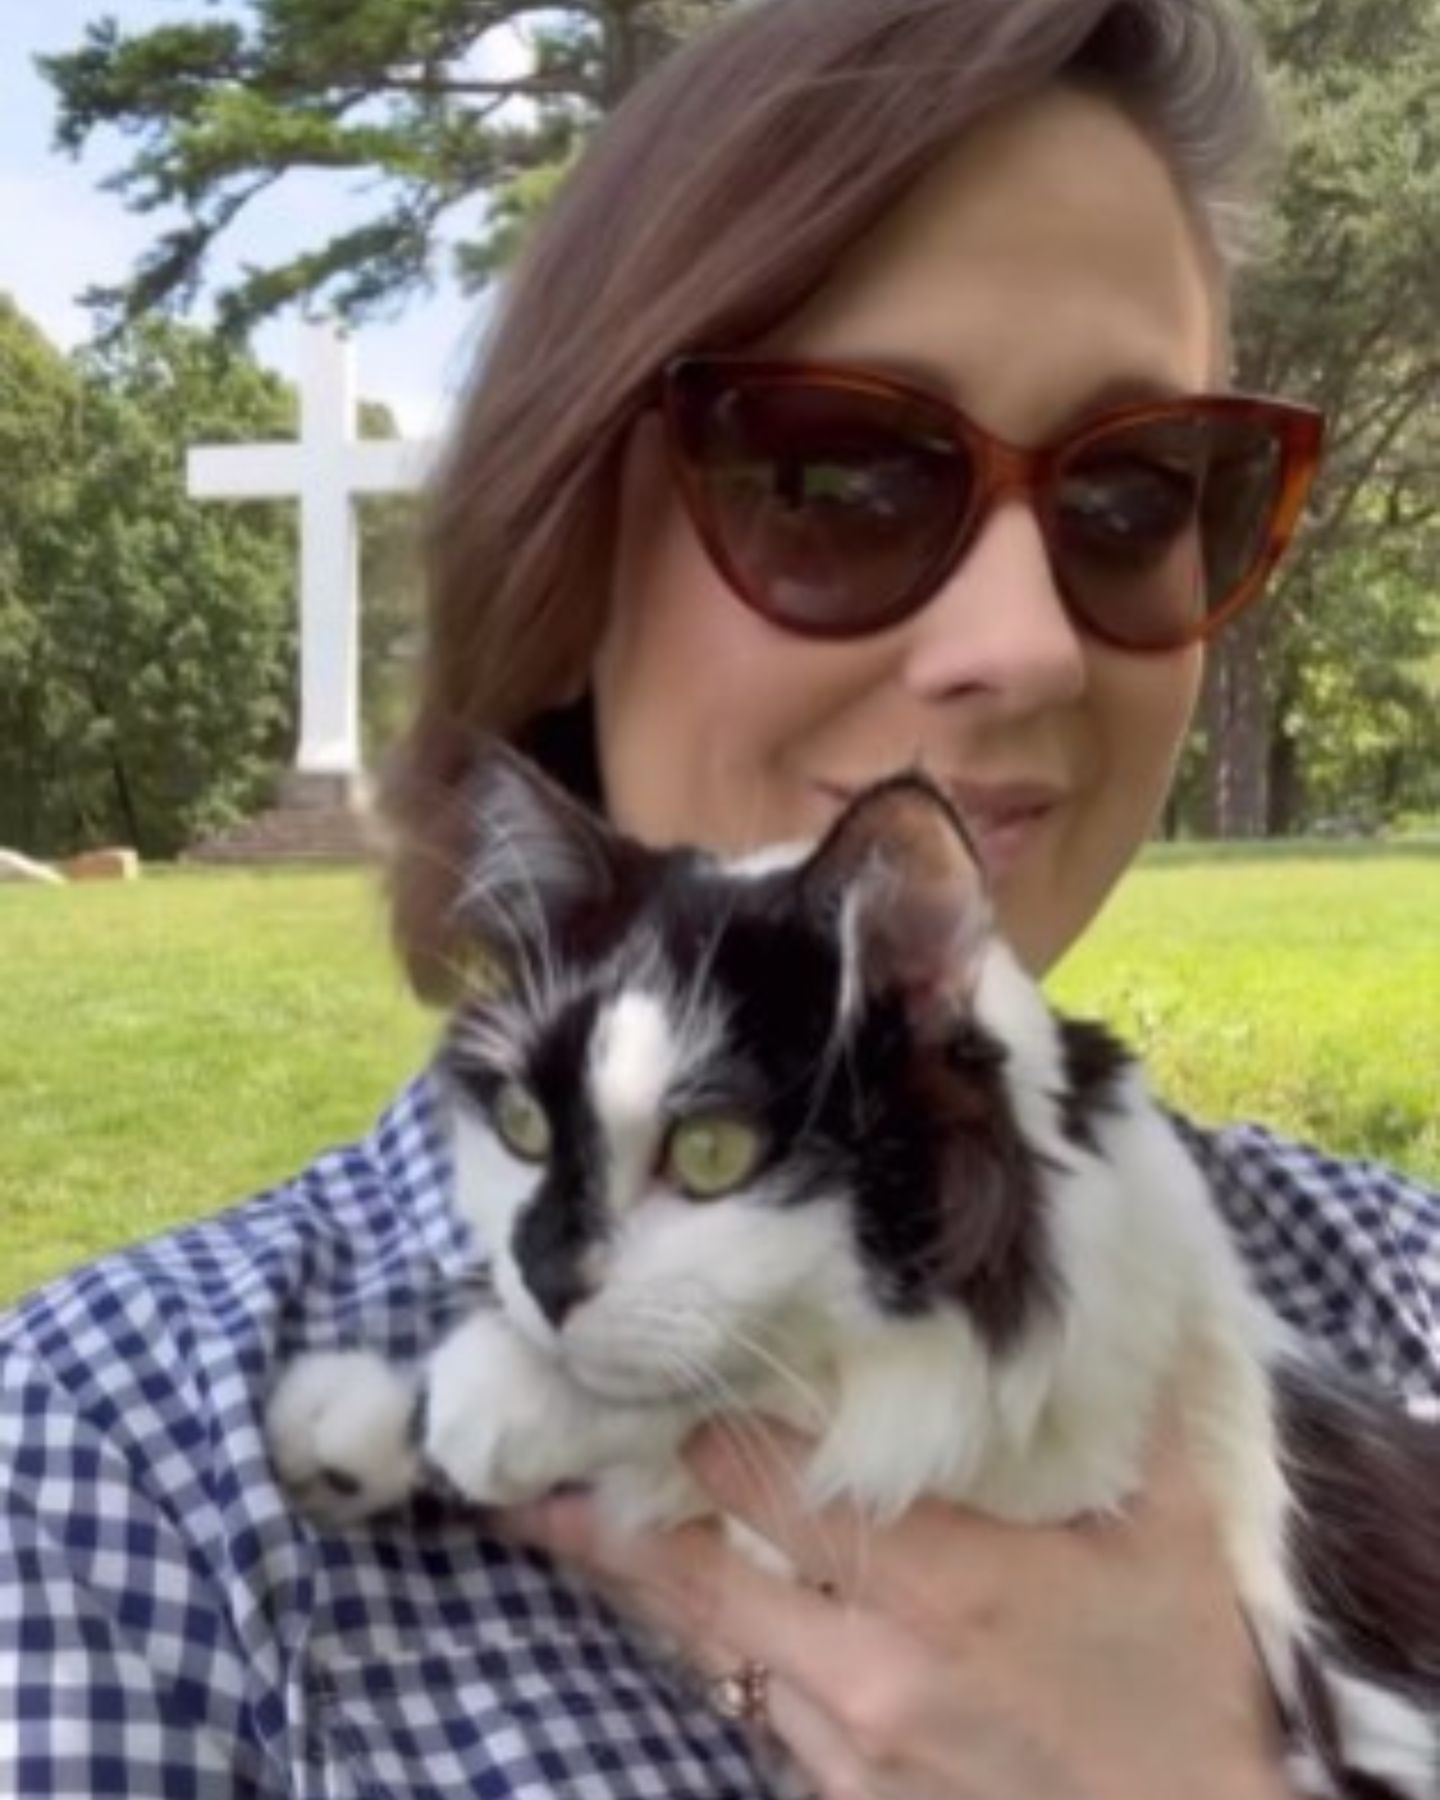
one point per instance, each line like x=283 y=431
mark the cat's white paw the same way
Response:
x=497 y=1415
x=338 y=1426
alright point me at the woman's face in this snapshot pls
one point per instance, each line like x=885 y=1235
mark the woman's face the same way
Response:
x=1043 y=270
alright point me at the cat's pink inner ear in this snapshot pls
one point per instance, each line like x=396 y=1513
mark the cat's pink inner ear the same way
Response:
x=911 y=895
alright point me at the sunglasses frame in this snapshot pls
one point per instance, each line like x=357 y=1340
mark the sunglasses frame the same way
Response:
x=1002 y=471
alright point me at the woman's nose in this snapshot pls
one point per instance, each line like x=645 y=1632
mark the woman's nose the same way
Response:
x=998 y=626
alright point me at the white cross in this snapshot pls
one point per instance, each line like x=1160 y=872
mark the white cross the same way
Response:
x=325 y=471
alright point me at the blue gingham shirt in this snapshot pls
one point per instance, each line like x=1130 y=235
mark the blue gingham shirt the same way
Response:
x=170 y=1628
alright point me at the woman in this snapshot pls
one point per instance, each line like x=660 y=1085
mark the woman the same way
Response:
x=936 y=230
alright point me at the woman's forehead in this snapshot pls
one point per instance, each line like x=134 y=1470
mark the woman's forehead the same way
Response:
x=1046 y=263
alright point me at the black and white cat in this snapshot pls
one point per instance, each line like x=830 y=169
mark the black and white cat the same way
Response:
x=798 y=1134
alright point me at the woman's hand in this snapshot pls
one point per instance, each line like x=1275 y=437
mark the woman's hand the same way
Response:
x=953 y=1657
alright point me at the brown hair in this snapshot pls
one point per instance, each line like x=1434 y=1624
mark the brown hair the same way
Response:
x=705 y=210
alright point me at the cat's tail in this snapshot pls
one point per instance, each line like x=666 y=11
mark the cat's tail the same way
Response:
x=1365 y=1476
x=341 y=1429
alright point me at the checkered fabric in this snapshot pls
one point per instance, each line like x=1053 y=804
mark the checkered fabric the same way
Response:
x=170 y=1629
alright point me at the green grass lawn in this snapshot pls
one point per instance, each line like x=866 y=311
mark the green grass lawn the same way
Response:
x=173 y=1044
x=180 y=1041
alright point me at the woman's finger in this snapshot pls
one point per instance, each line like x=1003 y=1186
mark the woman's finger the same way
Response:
x=693 y=1586
x=811 y=1735
x=808 y=1732
x=754 y=1470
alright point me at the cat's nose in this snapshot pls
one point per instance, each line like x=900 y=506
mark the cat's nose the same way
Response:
x=557 y=1288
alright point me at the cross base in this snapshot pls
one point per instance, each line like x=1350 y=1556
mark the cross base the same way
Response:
x=308 y=790
x=317 y=818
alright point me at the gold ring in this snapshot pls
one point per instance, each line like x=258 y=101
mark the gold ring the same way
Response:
x=744 y=1694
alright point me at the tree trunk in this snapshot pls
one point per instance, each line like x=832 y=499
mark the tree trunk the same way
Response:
x=633 y=41
x=125 y=799
x=1390 y=786
x=1287 y=785
x=1237 y=723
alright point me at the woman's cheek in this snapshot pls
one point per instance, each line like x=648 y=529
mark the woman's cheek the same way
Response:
x=703 y=709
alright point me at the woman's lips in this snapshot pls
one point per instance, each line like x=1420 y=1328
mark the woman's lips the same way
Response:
x=1003 y=818
x=1003 y=839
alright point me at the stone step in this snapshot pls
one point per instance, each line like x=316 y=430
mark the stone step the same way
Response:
x=285 y=834
x=316 y=818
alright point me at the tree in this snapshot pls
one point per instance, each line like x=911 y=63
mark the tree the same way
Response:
x=1341 y=311
x=158 y=634
x=177 y=619
x=424 y=93
x=39 y=427
x=1357 y=732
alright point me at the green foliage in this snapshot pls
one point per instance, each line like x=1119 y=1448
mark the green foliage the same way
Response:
x=1341 y=310
x=1362 y=695
x=414 y=91
x=392 y=592
x=390 y=617
x=150 y=638
x=39 y=433
x=513 y=210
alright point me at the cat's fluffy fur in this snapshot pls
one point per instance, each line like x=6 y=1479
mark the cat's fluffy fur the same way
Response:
x=973 y=1261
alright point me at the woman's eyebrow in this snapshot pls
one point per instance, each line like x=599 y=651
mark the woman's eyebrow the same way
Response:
x=1126 y=390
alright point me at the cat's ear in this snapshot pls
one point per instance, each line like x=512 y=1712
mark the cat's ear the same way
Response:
x=899 y=879
x=536 y=857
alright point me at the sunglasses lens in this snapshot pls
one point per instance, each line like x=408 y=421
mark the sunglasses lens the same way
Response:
x=828 y=507
x=1156 y=525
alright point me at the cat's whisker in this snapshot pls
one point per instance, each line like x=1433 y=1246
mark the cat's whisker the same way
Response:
x=743 y=1426
x=549 y=984
x=818 y=1413
x=470 y=889
x=691 y=998
x=749 y=1435
x=834 y=1054
x=663 y=1315
x=705 y=963
x=816 y=1409
x=487 y=887
x=493 y=899
x=744 y=1430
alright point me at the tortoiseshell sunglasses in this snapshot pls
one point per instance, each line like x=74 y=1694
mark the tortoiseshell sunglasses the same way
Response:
x=837 y=502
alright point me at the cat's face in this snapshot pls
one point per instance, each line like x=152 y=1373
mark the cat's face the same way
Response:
x=716 y=1114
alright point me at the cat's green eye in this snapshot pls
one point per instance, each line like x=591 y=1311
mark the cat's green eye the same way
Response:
x=520 y=1119
x=711 y=1154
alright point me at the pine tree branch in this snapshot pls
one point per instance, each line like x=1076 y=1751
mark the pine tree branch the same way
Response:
x=521 y=87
